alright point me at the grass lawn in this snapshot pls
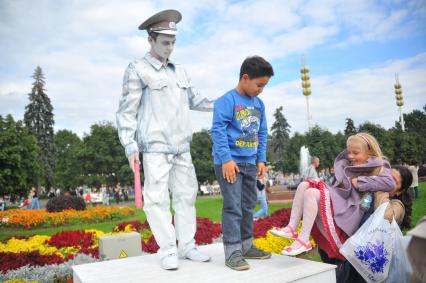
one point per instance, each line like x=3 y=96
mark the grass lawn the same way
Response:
x=210 y=207
x=419 y=205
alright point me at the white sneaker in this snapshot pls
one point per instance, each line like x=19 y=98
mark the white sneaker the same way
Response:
x=170 y=262
x=196 y=255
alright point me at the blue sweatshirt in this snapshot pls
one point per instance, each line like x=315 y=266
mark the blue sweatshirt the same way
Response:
x=239 y=129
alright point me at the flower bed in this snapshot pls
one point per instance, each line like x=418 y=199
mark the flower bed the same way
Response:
x=268 y=242
x=34 y=258
x=41 y=218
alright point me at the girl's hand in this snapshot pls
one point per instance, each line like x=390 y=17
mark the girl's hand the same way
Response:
x=354 y=182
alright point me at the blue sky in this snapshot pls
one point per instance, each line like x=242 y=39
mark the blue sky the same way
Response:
x=353 y=49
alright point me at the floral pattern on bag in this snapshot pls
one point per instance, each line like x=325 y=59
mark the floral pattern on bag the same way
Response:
x=375 y=256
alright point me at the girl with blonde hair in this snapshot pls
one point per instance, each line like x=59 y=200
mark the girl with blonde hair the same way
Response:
x=333 y=213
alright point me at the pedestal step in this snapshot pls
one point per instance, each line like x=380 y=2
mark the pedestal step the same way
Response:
x=147 y=268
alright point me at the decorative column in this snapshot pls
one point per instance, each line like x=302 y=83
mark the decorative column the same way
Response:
x=306 y=86
x=399 y=100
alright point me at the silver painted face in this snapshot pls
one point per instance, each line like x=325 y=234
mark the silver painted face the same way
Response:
x=162 y=47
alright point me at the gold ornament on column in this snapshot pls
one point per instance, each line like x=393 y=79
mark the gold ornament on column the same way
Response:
x=306 y=88
x=399 y=100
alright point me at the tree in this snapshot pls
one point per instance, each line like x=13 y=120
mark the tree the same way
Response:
x=103 y=157
x=382 y=136
x=415 y=123
x=201 y=152
x=280 y=133
x=323 y=144
x=19 y=155
x=68 y=170
x=350 y=127
x=406 y=146
x=38 y=119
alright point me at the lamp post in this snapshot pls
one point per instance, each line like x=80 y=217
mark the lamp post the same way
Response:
x=399 y=100
x=306 y=86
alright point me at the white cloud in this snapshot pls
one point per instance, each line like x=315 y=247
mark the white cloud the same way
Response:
x=363 y=95
x=84 y=46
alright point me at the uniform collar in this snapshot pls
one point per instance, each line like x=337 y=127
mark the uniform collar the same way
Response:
x=156 y=63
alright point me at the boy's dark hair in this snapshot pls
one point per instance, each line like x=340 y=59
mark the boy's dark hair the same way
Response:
x=256 y=67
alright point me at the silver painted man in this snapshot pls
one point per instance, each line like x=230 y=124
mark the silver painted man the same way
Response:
x=154 y=118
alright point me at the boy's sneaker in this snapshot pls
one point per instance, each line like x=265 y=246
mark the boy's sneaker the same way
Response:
x=255 y=253
x=237 y=262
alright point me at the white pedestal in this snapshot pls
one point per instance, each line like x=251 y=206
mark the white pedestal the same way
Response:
x=147 y=268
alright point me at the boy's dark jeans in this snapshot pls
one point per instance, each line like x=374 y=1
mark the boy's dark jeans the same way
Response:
x=239 y=201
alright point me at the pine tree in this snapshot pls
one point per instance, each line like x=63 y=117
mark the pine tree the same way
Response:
x=38 y=119
x=280 y=132
x=350 y=127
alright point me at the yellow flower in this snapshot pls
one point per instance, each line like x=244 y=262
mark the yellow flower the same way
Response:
x=19 y=281
x=275 y=244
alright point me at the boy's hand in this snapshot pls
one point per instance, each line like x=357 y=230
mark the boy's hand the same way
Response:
x=132 y=158
x=354 y=182
x=261 y=168
x=230 y=170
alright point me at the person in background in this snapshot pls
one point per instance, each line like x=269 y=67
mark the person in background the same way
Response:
x=51 y=193
x=262 y=198
x=117 y=193
x=104 y=195
x=311 y=173
x=126 y=193
x=414 y=169
x=34 y=203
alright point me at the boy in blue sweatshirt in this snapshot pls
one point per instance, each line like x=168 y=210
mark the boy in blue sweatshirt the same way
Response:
x=239 y=144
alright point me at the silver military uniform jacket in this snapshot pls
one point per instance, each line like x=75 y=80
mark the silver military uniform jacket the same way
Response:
x=153 y=114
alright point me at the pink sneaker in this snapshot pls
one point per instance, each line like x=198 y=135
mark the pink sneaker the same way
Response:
x=304 y=247
x=287 y=232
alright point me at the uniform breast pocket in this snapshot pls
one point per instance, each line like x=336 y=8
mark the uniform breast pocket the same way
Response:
x=157 y=85
x=184 y=86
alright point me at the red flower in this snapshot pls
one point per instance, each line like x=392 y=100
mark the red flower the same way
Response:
x=279 y=218
x=10 y=261
x=77 y=239
x=151 y=246
x=139 y=226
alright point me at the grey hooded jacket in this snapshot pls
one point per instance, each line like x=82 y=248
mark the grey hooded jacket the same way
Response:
x=153 y=114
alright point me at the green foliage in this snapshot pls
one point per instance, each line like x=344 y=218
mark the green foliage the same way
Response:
x=19 y=155
x=201 y=152
x=415 y=123
x=103 y=157
x=280 y=133
x=323 y=144
x=68 y=171
x=38 y=119
x=350 y=128
x=406 y=146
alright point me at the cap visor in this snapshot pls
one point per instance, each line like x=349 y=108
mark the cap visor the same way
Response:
x=169 y=32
